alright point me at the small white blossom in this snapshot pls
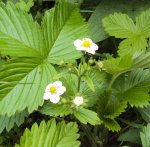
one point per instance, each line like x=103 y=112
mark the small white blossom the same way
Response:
x=86 y=45
x=53 y=91
x=78 y=100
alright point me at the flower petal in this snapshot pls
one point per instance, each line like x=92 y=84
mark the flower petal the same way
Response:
x=91 y=51
x=94 y=46
x=77 y=43
x=46 y=96
x=55 y=99
x=61 y=90
x=48 y=87
x=57 y=83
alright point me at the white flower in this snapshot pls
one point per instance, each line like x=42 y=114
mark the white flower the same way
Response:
x=53 y=91
x=86 y=44
x=78 y=100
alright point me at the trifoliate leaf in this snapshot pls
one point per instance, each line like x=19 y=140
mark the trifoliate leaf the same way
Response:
x=135 y=35
x=51 y=135
x=106 y=7
x=23 y=80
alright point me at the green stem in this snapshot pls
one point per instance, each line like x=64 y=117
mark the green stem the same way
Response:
x=79 y=80
x=114 y=77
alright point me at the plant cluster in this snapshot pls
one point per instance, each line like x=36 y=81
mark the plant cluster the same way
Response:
x=59 y=87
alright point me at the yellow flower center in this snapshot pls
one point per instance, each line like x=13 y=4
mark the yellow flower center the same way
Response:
x=53 y=89
x=86 y=44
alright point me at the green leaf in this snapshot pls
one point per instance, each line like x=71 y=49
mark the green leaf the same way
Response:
x=23 y=84
x=14 y=39
x=119 y=25
x=87 y=116
x=25 y=5
x=61 y=26
x=56 y=109
x=111 y=124
x=23 y=80
x=99 y=81
x=132 y=45
x=134 y=87
x=145 y=136
x=9 y=122
x=106 y=7
x=51 y=135
x=122 y=26
x=143 y=23
x=132 y=135
x=118 y=65
x=89 y=82
x=109 y=106
x=145 y=113
x=141 y=60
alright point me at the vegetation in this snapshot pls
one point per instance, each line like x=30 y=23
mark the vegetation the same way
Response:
x=74 y=73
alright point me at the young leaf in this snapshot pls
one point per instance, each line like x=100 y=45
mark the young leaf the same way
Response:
x=51 y=135
x=87 y=116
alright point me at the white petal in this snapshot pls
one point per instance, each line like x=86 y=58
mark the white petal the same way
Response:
x=77 y=42
x=46 y=96
x=80 y=48
x=57 y=83
x=55 y=99
x=48 y=87
x=91 y=51
x=61 y=90
x=94 y=46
